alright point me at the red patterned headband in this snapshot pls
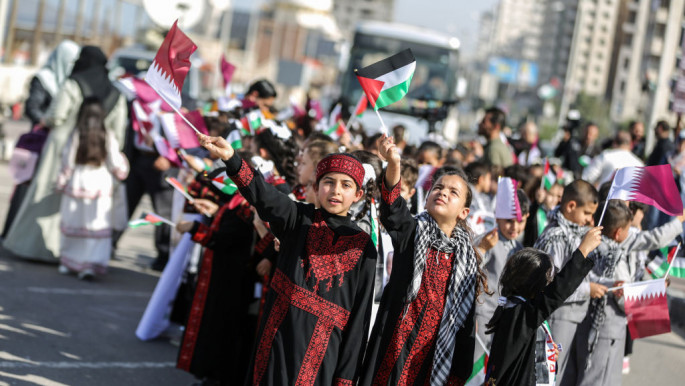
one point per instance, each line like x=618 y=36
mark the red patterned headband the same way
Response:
x=341 y=163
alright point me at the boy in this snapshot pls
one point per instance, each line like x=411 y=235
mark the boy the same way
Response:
x=316 y=316
x=567 y=225
x=549 y=199
x=424 y=329
x=480 y=177
x=505 y=244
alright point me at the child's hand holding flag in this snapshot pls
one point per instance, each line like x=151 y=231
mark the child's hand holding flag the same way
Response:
x=217 y=146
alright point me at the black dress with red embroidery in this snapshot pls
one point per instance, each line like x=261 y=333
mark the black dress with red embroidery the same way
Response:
x=316 y=319
x=217 y=338
x=403 y=338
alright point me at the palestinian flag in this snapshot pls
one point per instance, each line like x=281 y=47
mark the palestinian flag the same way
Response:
x=235 y=140
x=336 y=131
x=223 y=183
x=658 y=267
x=548 y=178
x=251 y=122
x=478 y=374
x=361 y=106
x=387 y=81
x=147 y=219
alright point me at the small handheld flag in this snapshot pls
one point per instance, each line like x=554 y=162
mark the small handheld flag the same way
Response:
x=387 y=81
x=651 y=185
x=507 y=202
x=170 y=67
x=149 y=219
x=176 y=184
x=647 y=308
x=224 y=184
x=227 y=70
x=179 y=133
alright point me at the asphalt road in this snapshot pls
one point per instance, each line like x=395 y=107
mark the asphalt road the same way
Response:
x=56 y=330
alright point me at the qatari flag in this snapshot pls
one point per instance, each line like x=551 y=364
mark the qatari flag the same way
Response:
x=651 y=185
x=179 y=133
x=647 y=308
x=171 y=65
x=227 y=70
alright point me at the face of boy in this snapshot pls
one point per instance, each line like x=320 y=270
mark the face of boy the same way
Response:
x=446 y=200
x=581 y=215
x=622 y=233
x=305 y=169
x=511 y=228
x=337 y=192
x=407 y=191
x=553 y=196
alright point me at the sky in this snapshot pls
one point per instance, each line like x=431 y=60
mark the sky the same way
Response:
x=455 y=17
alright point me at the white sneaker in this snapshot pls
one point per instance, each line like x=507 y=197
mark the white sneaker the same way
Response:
x=86 y=274
x=63 y=269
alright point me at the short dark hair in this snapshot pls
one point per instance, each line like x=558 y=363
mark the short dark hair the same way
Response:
x=526 y=273
x=616 y=216
x=636 y=205
x=622 y=138
x=409 y=171
x=524 y=202
x=604 y=191
x=580 y=191
x=497 y=116
x=476 y=170
x=264 y=89
x=431 y=146
x=398 y=133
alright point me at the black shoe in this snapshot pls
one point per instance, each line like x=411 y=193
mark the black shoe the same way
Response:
x=158 y=265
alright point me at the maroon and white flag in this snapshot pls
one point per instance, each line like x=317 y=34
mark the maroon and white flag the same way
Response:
x=171 y=65
x=651 y=185
x=507 y=201
x=227 y=70
x=179 y=133
x=647 y=308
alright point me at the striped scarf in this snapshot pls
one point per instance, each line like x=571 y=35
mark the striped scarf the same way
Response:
x=559 y=230
x=461 y=291
x=608 y=254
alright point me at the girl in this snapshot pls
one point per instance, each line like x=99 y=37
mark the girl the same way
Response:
x=90 y=163
x=427 y=308
x=518 y=355
x=316 y=317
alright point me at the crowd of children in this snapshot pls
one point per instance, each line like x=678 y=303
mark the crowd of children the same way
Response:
x=367 y=260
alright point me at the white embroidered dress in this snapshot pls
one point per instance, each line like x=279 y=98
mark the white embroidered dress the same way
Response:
x=86 y=206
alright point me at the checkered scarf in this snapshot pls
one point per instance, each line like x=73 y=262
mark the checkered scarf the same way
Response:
x=559 y=230
x=461 y=290
x=608 y=254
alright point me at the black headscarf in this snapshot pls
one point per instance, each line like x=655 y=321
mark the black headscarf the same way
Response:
x=90 y=72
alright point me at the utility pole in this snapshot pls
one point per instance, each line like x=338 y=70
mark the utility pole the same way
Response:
x=94 y=22
x=78 y=29
x=60 y=22
x=37 y=33
x=10 y=32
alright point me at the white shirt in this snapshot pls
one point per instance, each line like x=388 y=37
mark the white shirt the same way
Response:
x=602 y=167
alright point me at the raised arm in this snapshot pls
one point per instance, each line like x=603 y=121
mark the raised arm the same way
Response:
x=272 y=205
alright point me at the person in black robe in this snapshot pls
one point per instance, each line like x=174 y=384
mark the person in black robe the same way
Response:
x=316 y=317
x=527 y=301
x=424 y=329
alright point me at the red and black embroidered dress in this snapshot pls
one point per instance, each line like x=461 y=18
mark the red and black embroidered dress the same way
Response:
x=218 y=337
x=316 y=316
x=403 y=338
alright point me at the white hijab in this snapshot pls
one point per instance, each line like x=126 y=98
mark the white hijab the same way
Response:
x=58 y=67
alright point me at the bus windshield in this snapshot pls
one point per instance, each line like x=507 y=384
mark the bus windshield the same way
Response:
x=433 y=81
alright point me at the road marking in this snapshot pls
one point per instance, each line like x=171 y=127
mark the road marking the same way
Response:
x=89 y=292
x=43 y=329
x=33 y=379
x=88 y=365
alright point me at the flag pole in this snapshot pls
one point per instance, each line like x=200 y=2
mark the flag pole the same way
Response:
x=384 y=129
x=480 y=341
x=603 y=210
x=670 y=265
x=177 y=111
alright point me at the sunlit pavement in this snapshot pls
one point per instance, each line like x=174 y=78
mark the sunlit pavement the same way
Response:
x=56 y=330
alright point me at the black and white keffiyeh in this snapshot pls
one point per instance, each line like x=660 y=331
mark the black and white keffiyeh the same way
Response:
x=461 y=291
x=608 y=254
x=559 y=230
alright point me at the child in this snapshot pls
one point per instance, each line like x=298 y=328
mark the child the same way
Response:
x=547 y=199
x=410 y=173
x=508 y=229
x=480 y=176
x=316 y=315
x=529 y=296
x=427 y=307
x=600 y=338
x=90 y=163
x=311 y=154
x=567 y=225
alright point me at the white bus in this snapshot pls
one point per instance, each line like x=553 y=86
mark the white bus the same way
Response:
x=430 y=104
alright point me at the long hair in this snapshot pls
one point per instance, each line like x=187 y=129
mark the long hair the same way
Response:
x=92 y=135
x=371 y=189
x=283 y=153
x=482 y=279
